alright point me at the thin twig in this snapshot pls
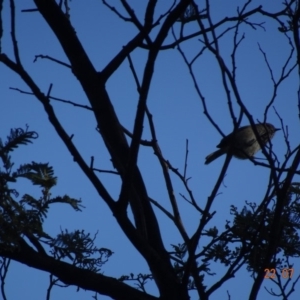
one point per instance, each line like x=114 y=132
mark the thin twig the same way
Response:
x=13 y=32
x=36 y=57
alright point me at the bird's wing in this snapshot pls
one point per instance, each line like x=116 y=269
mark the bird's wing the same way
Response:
x=250 y=142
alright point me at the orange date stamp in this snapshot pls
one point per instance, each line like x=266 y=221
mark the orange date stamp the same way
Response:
x=285 y=273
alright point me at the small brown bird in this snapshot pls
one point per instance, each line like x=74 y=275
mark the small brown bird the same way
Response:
x=242 y=143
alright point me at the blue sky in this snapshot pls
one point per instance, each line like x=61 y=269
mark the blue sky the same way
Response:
x=178 y=115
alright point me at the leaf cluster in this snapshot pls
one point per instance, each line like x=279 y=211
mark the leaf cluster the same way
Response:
x=24 y=218
x=79 y=247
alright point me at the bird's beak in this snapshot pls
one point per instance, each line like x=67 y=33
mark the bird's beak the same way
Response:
x=276 y=129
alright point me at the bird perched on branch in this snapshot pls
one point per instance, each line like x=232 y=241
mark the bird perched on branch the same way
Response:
x=243 y=143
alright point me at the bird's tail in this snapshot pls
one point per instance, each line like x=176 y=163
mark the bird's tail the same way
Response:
x=209 y=158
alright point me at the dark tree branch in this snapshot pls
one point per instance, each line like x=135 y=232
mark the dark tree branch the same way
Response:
x=148 y=19
x=72 y=275
x=112 y=133
x=93 y=86
x=165 y=165
x=1 y=24
x=176 y=218
x=114 y=10
x=114 y=64
x=4 y=264
x=13 y=31
x=165 y=211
